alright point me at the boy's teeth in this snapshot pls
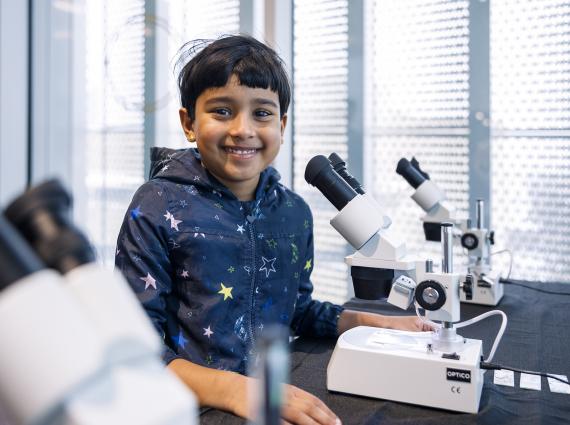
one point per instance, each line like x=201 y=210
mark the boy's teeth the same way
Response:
x=241 y=151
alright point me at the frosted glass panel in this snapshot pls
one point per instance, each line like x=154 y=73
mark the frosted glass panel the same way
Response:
x=417 y=104
x=321 y=111
x=530 y=105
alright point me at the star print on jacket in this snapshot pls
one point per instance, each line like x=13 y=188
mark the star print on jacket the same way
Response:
x=180 y=340
x=208 y=331
x=294 y=253
x=136 y=212
x=173 y=222
x=239 y=329
x=267 y=262
x=191 y=190
x=226 y=291
x=308 y=264
x=240 y=229
x=149 y=281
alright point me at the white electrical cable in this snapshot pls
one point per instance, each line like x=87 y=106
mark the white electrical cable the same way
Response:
x=499 y=334
x=470 y=322
x=424 y=320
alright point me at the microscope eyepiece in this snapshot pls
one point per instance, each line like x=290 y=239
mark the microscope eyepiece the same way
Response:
x=320 y=173
x=41 y=217
x=411 y=172
x=339 y=166
x=17 y=260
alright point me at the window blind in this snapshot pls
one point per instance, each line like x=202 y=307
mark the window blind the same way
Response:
x=416 y=104
x=530 y=134
x=114 y=56
x=320 y=78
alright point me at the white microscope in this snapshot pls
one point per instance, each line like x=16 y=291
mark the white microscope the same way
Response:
x=477 y=240
x=77 y=347
x=438 y=369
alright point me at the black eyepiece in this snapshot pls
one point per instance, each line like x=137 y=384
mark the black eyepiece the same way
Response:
x=320 y=173
x=17 y=260
x=340 y=167
x=413 y=175
x=41 y=217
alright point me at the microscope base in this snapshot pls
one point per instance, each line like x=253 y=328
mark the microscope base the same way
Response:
x=486 y=295
x=397 y=366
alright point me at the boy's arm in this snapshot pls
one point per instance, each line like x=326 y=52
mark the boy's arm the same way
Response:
x=229 y=391
x=312 y=317
x=142 y=254
x=221 y=389
x=350 y=319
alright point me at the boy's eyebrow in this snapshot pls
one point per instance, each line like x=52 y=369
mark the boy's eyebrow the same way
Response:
x=265 y=101
x=228 y=99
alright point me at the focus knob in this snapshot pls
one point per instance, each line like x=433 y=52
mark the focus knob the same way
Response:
x=469 y=241
x=430 y=295
x=468 y=287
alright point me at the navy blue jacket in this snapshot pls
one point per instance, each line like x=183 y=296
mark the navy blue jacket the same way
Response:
x=212 y=271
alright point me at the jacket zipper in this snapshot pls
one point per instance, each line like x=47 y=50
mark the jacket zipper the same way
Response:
x=253 y=271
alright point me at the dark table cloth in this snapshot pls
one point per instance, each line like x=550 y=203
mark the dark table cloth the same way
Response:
x=537 y=338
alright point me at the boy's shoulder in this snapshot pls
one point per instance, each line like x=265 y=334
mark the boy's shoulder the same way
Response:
x=293 y=199
x=160 y=157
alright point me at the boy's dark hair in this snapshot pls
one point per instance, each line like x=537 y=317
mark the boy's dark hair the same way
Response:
x=252 y=62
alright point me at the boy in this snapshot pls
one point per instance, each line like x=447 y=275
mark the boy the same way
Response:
x=216 y=248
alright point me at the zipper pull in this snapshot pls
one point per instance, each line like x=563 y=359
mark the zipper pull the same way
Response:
x=254 y=213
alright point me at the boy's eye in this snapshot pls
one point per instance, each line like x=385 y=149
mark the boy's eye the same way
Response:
x=222 y=111
x=262 y=113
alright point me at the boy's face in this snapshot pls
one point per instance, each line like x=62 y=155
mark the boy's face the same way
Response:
x=238 y=132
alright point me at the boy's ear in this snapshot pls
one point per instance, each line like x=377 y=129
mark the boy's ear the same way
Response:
x=283 y=125
x=186 y=123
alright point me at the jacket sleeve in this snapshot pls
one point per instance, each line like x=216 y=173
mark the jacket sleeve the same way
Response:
x=312 y=317
x=143 y=258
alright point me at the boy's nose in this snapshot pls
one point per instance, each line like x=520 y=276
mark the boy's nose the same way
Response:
x=242 y=127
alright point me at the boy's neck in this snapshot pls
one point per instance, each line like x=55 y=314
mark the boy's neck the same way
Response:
x=243 y=190
x=243 y=194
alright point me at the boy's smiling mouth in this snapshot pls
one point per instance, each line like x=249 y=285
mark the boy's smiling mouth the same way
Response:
x=241 y=151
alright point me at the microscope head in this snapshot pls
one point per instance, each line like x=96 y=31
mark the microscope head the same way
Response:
x=361 y=222
x=429 y=197
x=41 y=215
x=411 y=171
x=356 y=220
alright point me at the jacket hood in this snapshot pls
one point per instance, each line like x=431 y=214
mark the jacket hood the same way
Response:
x=184 y=166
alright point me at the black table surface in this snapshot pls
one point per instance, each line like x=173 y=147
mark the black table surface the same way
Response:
x=537 y=338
